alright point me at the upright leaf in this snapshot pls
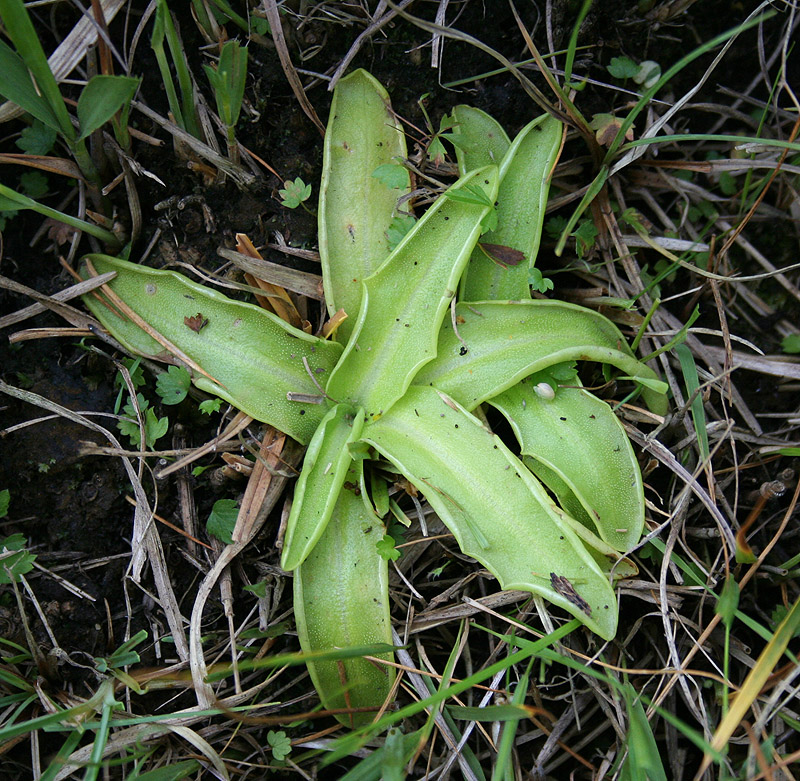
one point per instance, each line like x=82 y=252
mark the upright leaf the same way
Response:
x=521 y=200
x=497 y=510
x=341 y=598
x=324 y=470
x=479 y=139
x=254 y=357
x=355 y=209
x=101 y=98
x=498 y=343
x=405 y=301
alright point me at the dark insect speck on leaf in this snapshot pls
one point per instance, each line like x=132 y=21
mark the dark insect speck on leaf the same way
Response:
x=463 y=350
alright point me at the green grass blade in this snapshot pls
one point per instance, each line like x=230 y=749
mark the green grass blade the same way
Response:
x=324 y=469
x=692 y=381
x=498 y=512
x=643 y=762
x=341 y=598
x=21 y=31
x=255 y=358
x=24 y=202
x=349 y=743
x=355 y=208
x=405 y=301
x=17 y=86
x=499 y=343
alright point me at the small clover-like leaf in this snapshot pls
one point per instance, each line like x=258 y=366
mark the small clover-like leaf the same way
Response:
x=210 y=406
x=294 y=193
x=622 y=68
x=398 y=228
x=37 y=139
x=539 y=282
x=386 y=548
x=791 y=343
x=280 y=744
x=173 y=385
x=222 y=520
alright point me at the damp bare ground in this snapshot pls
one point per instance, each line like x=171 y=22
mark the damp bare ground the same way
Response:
x=137 y=638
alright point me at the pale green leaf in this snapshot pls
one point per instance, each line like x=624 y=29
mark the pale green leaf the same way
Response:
x=254 y=357
x=355 y=209
x=405 y=301
x=521 y=200
x=502 y=342
x=496 y=509
x=478 y=138
x=578 y=437
x=326 y=463
x=341 y=600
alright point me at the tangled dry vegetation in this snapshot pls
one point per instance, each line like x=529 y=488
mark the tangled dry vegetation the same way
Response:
x=147 y=626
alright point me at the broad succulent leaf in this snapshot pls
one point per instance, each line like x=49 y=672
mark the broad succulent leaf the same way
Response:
x=341 y=598
x=321 y=479
x=499 y=343
x=405 y=301
x=575 y=444
x=521 y=200
x=479 y=139
x=355 y=208
x=497 y=510
x=254 y=357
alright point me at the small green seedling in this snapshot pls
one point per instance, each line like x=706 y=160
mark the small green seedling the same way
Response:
x=295 y=193
x=396 y=395
x=227 y=80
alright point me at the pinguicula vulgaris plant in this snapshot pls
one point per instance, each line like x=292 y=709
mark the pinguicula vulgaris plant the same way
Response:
x=394 y=392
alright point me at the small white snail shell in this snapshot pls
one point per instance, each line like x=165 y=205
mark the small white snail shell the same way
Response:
x=545 y=391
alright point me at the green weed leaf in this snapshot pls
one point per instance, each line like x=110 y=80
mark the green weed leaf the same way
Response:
x=173 y=385
x=791 y=344
x=101 y=98
x=294 y=193
x=622 y=68
x=222 y=520
x=280 y=744
x=210 y=406
x=5 y=499
x=155 y=427
x=398 y=228
x=37 y=139
x=538 y=281
x=15 y=560
x=386 y=548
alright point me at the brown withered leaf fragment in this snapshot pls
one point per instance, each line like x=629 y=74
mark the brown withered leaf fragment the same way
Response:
x=502 y=255
x=562 y=585
x=196 y=323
